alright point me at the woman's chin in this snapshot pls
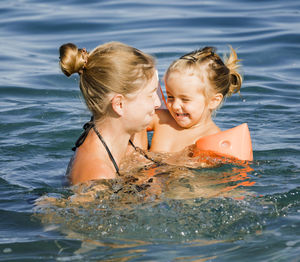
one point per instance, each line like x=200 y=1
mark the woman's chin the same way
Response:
x=141 y=128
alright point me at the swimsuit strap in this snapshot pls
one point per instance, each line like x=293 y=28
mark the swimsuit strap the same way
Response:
x=142 y=152
x=131 y=143
x=107 y=149
x=87 y=127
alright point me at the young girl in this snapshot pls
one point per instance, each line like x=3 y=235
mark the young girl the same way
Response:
x=196 y=84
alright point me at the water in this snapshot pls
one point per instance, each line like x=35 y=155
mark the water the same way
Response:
x=42 y=114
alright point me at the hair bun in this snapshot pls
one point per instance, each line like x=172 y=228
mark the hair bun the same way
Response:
x=72 y=59
x=235 y=83
x=235 y=78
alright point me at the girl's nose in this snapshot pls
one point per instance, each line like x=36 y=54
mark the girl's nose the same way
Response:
x=175 y=104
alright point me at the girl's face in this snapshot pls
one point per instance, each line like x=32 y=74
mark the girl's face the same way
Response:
x=186 y=101
x=141 y=106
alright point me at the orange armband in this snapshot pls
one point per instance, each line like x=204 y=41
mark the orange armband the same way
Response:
x=234 y=142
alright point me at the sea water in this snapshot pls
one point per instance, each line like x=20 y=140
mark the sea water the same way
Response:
x=230 y=213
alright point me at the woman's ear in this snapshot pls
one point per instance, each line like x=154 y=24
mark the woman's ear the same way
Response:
x=117 y=104
x=215 y=101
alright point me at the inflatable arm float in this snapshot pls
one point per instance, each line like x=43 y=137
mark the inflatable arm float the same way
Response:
x=234 y=142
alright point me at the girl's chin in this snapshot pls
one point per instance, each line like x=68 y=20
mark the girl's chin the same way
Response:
x=183 y=125
x=186 y=124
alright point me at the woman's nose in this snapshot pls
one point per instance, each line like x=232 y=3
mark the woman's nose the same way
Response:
x=157 y=102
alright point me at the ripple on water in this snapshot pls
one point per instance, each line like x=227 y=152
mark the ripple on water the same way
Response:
x=127 y=211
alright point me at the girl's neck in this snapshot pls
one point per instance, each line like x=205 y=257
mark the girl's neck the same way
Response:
x=205 y=127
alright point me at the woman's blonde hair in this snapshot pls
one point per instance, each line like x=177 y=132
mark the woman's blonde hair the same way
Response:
x=110 y=68
x=224 y=77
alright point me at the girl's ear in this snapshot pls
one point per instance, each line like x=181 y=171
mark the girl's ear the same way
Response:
x=117 y=104
x=215 y=101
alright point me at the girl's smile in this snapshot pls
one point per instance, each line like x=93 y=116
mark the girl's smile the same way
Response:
x=186 y=101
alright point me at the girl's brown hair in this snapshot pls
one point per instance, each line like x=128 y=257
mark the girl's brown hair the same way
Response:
x=224 y=77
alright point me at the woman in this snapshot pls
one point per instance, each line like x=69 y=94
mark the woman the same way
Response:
x=119 y=85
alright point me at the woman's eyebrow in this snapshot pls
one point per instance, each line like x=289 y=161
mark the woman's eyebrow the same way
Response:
x=154 y=89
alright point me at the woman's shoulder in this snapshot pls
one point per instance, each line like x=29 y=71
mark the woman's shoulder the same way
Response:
x=86 y=167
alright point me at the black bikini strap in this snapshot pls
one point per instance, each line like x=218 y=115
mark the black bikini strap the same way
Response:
x=142 y=152
x=107 y=150
x=87 y=127
x=131 y=143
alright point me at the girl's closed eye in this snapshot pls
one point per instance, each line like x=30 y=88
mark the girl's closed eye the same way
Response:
x=186 y=100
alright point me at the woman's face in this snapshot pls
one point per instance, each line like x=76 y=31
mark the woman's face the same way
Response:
x=141 y=105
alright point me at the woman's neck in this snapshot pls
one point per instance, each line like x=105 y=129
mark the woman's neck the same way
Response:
x=115 y=138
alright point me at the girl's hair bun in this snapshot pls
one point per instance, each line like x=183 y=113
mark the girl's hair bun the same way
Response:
x=235 y=78
x=235 y=83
